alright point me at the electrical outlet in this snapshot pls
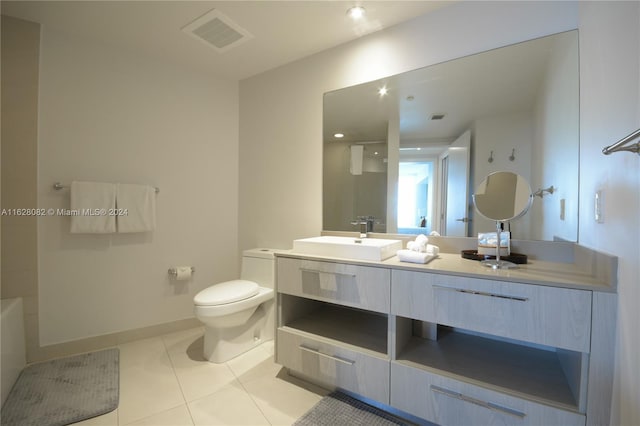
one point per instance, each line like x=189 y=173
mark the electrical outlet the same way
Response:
x=598 y=207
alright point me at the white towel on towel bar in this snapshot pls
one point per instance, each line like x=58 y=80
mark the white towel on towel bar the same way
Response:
x=93 y=202
x=136 y=208
x=355 y=163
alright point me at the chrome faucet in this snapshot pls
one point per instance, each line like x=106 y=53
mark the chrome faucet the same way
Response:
x=365 y=224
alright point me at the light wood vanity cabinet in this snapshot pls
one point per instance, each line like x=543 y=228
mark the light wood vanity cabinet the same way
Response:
x=335 y=365
x=442 y=400
x=551 y=316
x=333 y=324
x=349 y=285
x=494 y=352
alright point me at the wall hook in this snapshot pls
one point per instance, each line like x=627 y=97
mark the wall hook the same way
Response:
x=513 y=155
x=540 y=192
x=490 y=157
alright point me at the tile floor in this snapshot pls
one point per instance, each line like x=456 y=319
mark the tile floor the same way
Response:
x=165 y=381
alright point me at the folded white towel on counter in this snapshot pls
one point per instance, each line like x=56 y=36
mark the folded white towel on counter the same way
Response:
x=431 y=249
x=136 y=208
x=415 y=246
x=415 y=256
x=420 y=244
x=93 y=201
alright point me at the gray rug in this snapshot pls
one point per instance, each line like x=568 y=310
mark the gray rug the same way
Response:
x=339 y=409
x=64 y=391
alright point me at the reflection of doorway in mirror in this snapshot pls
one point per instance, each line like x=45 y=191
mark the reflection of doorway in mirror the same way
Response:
x=454 y=192
x=415 y=197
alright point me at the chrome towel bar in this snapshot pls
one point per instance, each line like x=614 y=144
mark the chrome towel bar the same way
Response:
x=58 y=186
x=621 y=144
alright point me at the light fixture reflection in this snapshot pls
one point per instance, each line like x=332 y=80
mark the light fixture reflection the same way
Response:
x=356 y=12
x=383 y=91
x=338 y=135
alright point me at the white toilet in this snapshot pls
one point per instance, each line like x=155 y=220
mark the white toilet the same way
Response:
x=239 y=315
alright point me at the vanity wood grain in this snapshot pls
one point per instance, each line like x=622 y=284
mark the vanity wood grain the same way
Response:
x=363 y=287
x=446 y=401
x=550 y=316
x=501 y=347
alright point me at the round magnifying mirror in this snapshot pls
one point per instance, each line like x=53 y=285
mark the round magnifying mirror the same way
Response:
x=502 y=196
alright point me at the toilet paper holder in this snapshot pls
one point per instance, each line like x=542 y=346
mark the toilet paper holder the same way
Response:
x=174 y=272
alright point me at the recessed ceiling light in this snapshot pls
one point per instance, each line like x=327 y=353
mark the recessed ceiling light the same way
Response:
x=338 y=135
x=356 y=12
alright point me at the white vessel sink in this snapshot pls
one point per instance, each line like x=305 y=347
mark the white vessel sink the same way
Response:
x=352 y=248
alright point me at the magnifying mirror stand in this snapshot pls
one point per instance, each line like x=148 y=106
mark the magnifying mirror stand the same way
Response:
x=497 y=263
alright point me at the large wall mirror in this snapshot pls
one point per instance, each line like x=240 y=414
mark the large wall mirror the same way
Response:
x=406 y=151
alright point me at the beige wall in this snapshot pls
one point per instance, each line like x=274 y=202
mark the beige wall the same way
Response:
x=111 y=115
x=610 y=110
x=20 y=55
x=281 y=130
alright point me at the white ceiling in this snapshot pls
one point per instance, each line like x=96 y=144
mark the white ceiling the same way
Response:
x=283 y=31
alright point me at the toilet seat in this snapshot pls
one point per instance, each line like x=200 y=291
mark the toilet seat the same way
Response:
x=226 y=292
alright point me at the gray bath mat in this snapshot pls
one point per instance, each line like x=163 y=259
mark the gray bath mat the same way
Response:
x=338 y=409
x=64 y=391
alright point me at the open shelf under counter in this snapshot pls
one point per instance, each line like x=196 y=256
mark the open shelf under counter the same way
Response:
x=349 y=327
x=528 y=372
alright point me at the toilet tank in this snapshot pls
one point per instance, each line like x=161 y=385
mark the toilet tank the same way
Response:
x=259 y=265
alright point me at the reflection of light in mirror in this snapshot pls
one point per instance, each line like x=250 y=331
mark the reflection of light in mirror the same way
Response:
x=338 y=135
x=356 y=12
x=382 y=91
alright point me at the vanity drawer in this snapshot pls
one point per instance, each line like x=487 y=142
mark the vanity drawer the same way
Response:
x=350 y=285
x=551 y=316
x=412 y=295
x=334 y=366
x=447 y=401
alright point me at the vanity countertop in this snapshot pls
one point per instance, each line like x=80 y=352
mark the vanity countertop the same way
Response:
x=592 y=271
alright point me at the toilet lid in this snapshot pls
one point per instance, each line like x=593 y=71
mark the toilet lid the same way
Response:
x=226 y=292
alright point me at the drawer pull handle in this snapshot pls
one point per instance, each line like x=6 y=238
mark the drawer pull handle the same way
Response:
x=483 y=293
x=488 y=405
x=315 y=271
x=335 y=358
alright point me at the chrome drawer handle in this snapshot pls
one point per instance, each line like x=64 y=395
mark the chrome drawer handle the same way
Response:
x=335 y=358
x=488 y=405
x=315 y=271
x=483 y=293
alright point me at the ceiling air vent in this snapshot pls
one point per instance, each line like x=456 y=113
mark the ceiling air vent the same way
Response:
x=217 y=31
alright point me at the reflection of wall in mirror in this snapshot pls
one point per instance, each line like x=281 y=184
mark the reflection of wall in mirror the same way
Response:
x=348 y=196
x=545 y=141
x=502 y=134
x=501 y=189
x=556 y=139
